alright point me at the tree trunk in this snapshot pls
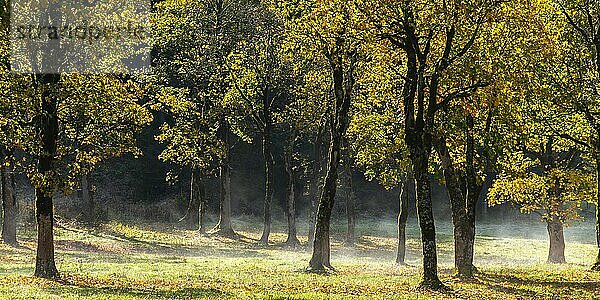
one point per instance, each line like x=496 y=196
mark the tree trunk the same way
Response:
x=426 y=221
x=460 y=221
x=350 y=205
x=556 y=253
x=201 y=192
x=315 y=184
x=321 y=246
x=191 y=218
x=466 y=267
x=224 y=227
x=405 y=194
x=292 y=238
x=596 y=266
x=268 y=157
x=9 y=203
x=343 y=83
x=87 y=201
x=45 y=266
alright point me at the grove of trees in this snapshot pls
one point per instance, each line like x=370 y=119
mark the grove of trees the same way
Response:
x=495 y=99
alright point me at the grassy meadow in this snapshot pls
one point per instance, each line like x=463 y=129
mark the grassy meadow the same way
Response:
x=118 y=261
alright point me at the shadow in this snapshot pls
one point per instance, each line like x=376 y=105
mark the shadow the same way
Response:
x=84 y=286
x=587 y=286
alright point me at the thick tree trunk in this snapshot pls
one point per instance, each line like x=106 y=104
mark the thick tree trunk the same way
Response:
x=45 y=266
x=426 y=221
x=268 y=157
x=556 y=253
x=224 y=226
x=191 y=218
x=292 y=238
x=405 y=195
x=460 y=220
x=88 y=211
x=9 y=203
x=315 y=184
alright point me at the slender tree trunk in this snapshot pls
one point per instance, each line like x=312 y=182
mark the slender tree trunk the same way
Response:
x=343 y=85
x=350 y=204
x=9 y=203
x=405 y=195
x=321 y=246
x=45 y=266
x=191 y=218
x=556 y=253
x=203 y=205
x=596 y=266
x=466 y=268
x=224 y=227
x=268 y=157
x=315 y=184
x=292 y=238
x=88 y=205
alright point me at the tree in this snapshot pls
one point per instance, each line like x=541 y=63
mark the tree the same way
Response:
x=433 y=38
x=261 y=79
x=373 y=133
x=334 y=43
x=12 y=117
x=579 y=70
x=546 y=178
x=192 y=65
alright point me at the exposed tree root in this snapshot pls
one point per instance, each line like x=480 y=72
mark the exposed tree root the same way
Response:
x=224 y=232
x=433 y=285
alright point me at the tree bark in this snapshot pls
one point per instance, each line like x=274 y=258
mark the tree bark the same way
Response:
x=321 y=245
x=315 y=184
x=191 y=219
x=464 y=193
x=201 y=192
x=350 y=204
x=466 y=268
x=426 y=221
x=9 y=203
x=405 y=195
x=556 y=253
x=224 y=226
x=292 y=238
x=458 y=207
x=45 y=266
x=268 y=157
x=88 y=205
x=596 y=266
x=418 y=125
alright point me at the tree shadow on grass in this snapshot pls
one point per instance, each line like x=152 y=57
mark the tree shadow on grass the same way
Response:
x=590 y=286
x=141 y=293
x=518 y=287
x=152 y=247
x=84 y=286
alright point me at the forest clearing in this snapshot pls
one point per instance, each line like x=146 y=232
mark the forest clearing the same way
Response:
x=117 y=261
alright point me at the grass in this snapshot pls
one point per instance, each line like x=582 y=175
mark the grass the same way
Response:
x=119 y=261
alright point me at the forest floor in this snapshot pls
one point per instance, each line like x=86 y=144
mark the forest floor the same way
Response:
x=118 y=261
